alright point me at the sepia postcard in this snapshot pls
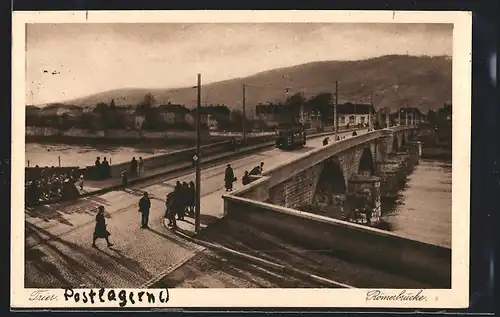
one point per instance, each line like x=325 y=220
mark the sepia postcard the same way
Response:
x=240 y=159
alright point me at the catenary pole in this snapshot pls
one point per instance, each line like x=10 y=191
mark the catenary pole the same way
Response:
x=198 y=159
x=335 y=114
x=244 y=117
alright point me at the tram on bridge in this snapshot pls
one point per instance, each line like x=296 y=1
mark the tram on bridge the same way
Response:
x=290 y=136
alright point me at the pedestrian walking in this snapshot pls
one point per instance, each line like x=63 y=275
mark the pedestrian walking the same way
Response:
x=179 y=201
x=144 y=206
x=170 y=210
x=192 y=197
x=354 y=133
x=140 y=167
x=229 y=178
x=133 y=167
x=124 y=177
x=245 y=180
x=185 y=196
x=100 y=231
x=325 y=141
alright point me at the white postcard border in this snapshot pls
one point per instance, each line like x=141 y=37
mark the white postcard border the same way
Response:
x=456 y=297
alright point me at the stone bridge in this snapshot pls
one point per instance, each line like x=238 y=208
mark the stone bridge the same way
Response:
x=346 y=178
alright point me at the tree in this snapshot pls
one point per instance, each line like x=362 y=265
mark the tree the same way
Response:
x=294 y=103
x=432 y=117
x=237 y=120
x=322 y=103
x=64 y=122
x=152 y=120
x=104 y=116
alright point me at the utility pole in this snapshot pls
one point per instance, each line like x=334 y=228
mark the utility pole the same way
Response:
x=399 y=116
x=335 y=117
x=244 y=117
x=355 y=117
x=370 y=111
x=197 y=159
x=406 y=115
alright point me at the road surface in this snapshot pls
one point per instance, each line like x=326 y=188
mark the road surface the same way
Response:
x=58 y=249
x=209 y=269
x=236 y=235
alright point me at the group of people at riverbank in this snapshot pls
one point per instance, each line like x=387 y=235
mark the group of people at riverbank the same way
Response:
x=136 y=169
x=102 y=169
x=49 y=187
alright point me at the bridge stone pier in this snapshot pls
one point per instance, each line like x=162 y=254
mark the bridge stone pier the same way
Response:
x=345 y=179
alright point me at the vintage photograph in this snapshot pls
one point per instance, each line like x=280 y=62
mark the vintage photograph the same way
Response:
x=238 y=155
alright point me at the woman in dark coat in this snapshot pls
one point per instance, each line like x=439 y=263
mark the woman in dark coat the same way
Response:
x=133 y=167
x=100 y=231
x=229 y=178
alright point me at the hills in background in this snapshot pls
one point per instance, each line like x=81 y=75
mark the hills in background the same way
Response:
x=395 y=80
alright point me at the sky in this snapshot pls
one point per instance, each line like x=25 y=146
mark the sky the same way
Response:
x=66 y=61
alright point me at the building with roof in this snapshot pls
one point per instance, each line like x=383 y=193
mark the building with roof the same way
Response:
x=175 y=114
x=352 y=114
x=213 y=117
x=407 y=116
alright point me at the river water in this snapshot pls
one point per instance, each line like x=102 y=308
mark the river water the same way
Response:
x=81 y=155
x=423 y=209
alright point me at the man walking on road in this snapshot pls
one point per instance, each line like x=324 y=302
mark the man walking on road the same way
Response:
x=144 y=206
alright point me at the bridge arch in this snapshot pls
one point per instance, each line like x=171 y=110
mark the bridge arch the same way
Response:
x=366 y=166
x=331 y=186
x=332 y=176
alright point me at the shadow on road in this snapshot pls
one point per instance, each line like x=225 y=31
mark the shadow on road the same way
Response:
x=139 y=193
x=58 y=211
x=223 y=270
x=172 y=238
x=64 y=264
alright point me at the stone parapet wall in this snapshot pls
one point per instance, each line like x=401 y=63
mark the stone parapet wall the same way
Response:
x=352 y=242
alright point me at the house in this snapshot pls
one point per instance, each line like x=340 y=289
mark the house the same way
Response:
x=139 y=120
x=355 y=114
x=88 y=109
x=383 y=116
x=174 y=114
x=213 y=117
x=406 y=115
